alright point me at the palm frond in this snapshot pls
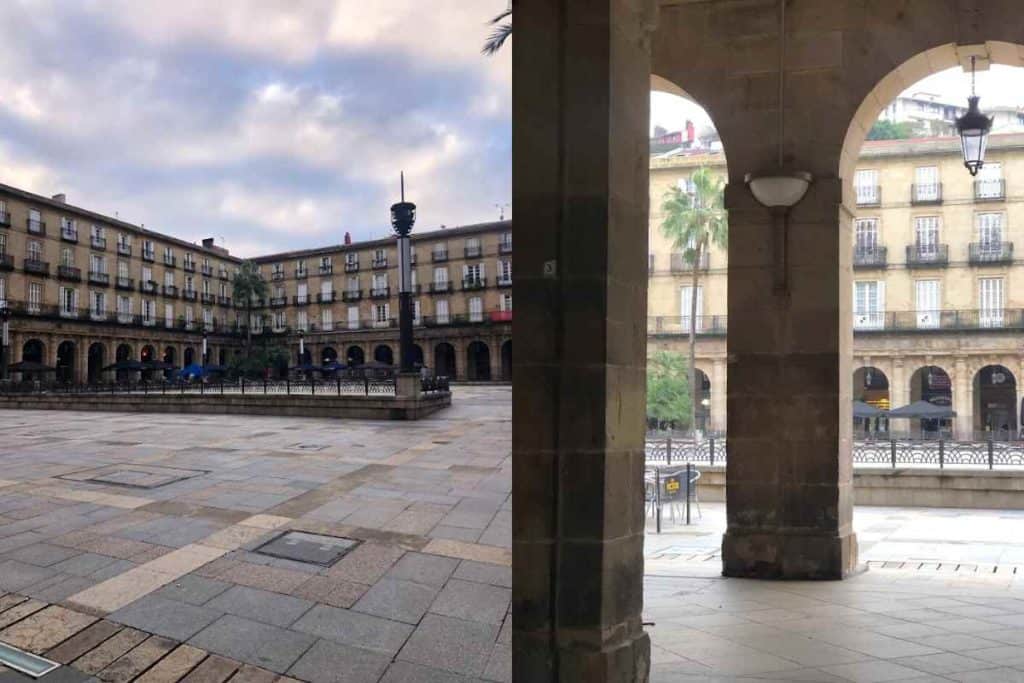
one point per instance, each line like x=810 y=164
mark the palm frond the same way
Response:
x=497 y=38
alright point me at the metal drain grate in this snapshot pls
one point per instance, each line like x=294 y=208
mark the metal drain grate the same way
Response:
x=948 y=567
x=300 y=546
x=134 y=476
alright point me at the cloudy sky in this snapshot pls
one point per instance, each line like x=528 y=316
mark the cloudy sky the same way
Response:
x=273 y=124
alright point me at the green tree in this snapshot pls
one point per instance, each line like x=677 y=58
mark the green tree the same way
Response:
x=668 y=389
x=254 y=364
x=247 y=286
x=890 y=130
x=694 y=221
x=501 y=32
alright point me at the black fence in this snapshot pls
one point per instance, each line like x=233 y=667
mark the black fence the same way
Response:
x=940 y=453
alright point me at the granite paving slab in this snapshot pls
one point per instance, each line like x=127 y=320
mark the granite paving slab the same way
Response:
x=355 y=629
x=165 y=617
x=262 y=645
x=260 y=605
x=456 y=645
x=330 y=662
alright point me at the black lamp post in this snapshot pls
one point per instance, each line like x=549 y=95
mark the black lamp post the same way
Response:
x=403 y=216
x=973 y=128
x=5 y=338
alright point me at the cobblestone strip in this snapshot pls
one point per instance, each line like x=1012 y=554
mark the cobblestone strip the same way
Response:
x=113 y=653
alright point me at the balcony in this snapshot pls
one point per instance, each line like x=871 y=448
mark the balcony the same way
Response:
x=207 y=271
x=170 y=291
x=5 y=219
x=926 y=194
x=124 y=249
x=379 y=263
x=69 y=235
x=352 y=295
x=277 y=275
x=301 y=274
x=501 y=316
x=170 y=262
x=990 y=190
x=868 y=195
x=326 y=268
x=351 y=266
x=98 y=243
x=712 y=325
x=189 y=266
x=278 y=301
x=223 y=274
x=148 y=256
x=223 y=300
x=97 y=278
x=300 y=299
x=325 y=297
x=471 y=283
x=440 y=287
x=505 y=247
x=189 y=294
x=990 y=253
x=148 y=287
x=939 y=321
x=380 y=292
x=502 y=281
x=36 y=267
x=681 y=264
x=439 y=255
x=206 y=298
x=36 y=227
x=870 y=257
x=474 y=251
x=6 y=262
x=927 y=255
x=125 y=283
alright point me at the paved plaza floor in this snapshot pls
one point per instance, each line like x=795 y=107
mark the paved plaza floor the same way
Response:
x=251 y=549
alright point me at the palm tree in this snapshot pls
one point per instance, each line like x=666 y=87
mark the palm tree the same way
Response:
x=500 y=33
x=694 y=221
x=247 y=286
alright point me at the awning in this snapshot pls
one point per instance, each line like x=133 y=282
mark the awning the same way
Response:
x=30 y=366
x=923 y=410
x=862 y=410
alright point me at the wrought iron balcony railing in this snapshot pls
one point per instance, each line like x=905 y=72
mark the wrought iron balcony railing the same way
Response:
x=301 y=273
x=206 y=298
x=170 y=261
x=6 y=262
x=380 y=292
x=207 y=271
x=97 y=278
x=505 y=247
x=940 y=320
x=277 y=275
x=351 y=266
x=326 y=297
x=870 y=257
x=868 y=195
x=69 y=273
x=681 y=264
x=300 y=299
x=502 y=281
x=927 y=255
x=278 y=301
x=984 y=253
x=148 y=256
x=69 y=235
x=352 y=295
x=124 y=249
x=473 y=283
x=474 y=252
x=36 y=267
x=36 y=227
x=379 y=263
x=326 y=268
x=439 y=255
x=701 y=325
x=189 y=294
x=171 y=291
x=989 y=190
x=98 y=243
x=440 y=287
x=926 y=193
x=5 y=219
x=148 y=287
x=124 y=283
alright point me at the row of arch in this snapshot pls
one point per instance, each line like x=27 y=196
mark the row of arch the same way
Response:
x=477 y=361
x=34 y=350
x=995 y=407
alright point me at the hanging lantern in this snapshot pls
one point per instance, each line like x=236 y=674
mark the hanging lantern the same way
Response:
x=973 y=128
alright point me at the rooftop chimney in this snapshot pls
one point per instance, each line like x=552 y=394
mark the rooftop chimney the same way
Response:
x=208 y=243
x=62 y=198
x=348 y=237
x=690 y=133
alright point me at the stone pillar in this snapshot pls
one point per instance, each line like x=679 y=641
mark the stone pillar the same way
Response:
x=789 y=472
x=82 y=360
x=581 y=74
x=494 y=348
x=963 y=400
x=899 y=389
x=718 y=394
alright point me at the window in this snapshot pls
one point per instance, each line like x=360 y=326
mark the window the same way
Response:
x=326 y=320
x=441 y=277
x=439 y=252
x=169 y=279
x=124 y=242
x=685 y=307
x=926 y=183
x=280 y=321
x=67 y=257
x=353 y=284
x=865 y=184
x=124 y=309
x=256 y=324
x=351 y=258
x=302 y=296
x=223 y=290
x=147 y=249
x=208 y=318
x=928 y=304
x=441 y=311
x=189 y=318
x=277 y=271
x=68 y=228
x=97 y=304
x=302 y=320
x=473 y=248
x=190 y=283
x=416 y=320
x=326 y=290
x=96 y=232
x=35 y=297
x=353 y=317
x=505 y=244
x=300 y=268
x=168 y=315
x=98 y=264
x=122 y=268
x=3 y=243
x=35 y=251
x=381 y=313
x=413 y=280
x=35 y=221
x=990 y=181
x=505 y=271
x=476 y=309
x=990 y=302
x=3 y=292
x=189 y=261
x=926 y=236
x=866 y=235
x=206 y=288
x=990 y=232
x=148 y=311
x=380 y=282
x=473 y=275
x=279 y=292
x=380 y=257
x=325 y=264
x=868 y=305
x=506 y=302
x=147 y=274
x=68 y=301
x=168 y=255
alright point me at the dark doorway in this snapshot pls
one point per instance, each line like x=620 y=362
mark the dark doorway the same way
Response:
x=189 y=357
x=444 y=360
x=169 y=357
x=32 y=351
x=383 y=354
x=995 y=396
x=506 y=361
x=147 y=355
x=97 y=355
x=66 y=362
x=123 y=353
x=478 y=362
x=328 y=355
x=355 y=355
x=417 y=356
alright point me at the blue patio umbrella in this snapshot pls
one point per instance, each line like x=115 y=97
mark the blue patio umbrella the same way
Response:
x=194 y=370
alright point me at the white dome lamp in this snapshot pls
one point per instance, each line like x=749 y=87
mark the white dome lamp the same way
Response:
x=779 y=191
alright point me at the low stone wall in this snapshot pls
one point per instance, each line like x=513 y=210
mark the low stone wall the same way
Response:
x=359 y=407
x=950 y=488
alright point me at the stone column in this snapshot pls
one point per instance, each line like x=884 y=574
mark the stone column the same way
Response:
x=899 y=390
x=581 y=75
x=963 y=399
x=82 y=360
x=718 y=394
x=789 y=471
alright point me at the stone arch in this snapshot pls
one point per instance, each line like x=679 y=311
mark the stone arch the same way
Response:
x=871 y=385
x=188 y=356
x=34 y=351
x=328 y=355
x=417 y=356
x=222 y=357
x=95 y=361
x=444 y=360
x=170 y=357
x=66 y=352
x=506 y=361
x=355 y=355
x=995 y=407
x=933 y=384
x=382 y=353
x=478 y=362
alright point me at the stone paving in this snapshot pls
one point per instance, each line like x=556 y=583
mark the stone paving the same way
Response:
x=155 y=525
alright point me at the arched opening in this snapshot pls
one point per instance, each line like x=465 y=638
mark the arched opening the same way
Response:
x=170 y=356
x=383 y=354
x=355 y=355
x=147 y=355
x=871 y=386
x=444 y=360
x=506 y=361
x=66 y=362
x=33 y=351
x=995 y=403
x=478 y=362
x=188 y=356
x=306 y=357
x=932 y=385
x=97 y=359
x=222 y=357
x=417 y=356
x=702 y=401
x=328 y=355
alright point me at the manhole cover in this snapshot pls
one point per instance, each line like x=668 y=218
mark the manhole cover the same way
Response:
x=134 y=476
x=309 y=548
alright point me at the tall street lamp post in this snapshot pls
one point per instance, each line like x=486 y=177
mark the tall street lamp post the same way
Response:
x=403 y=215
x=5 y=338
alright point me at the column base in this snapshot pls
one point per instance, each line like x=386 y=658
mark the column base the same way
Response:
x=408 y=385
x=627 y=662
x=761 y=555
